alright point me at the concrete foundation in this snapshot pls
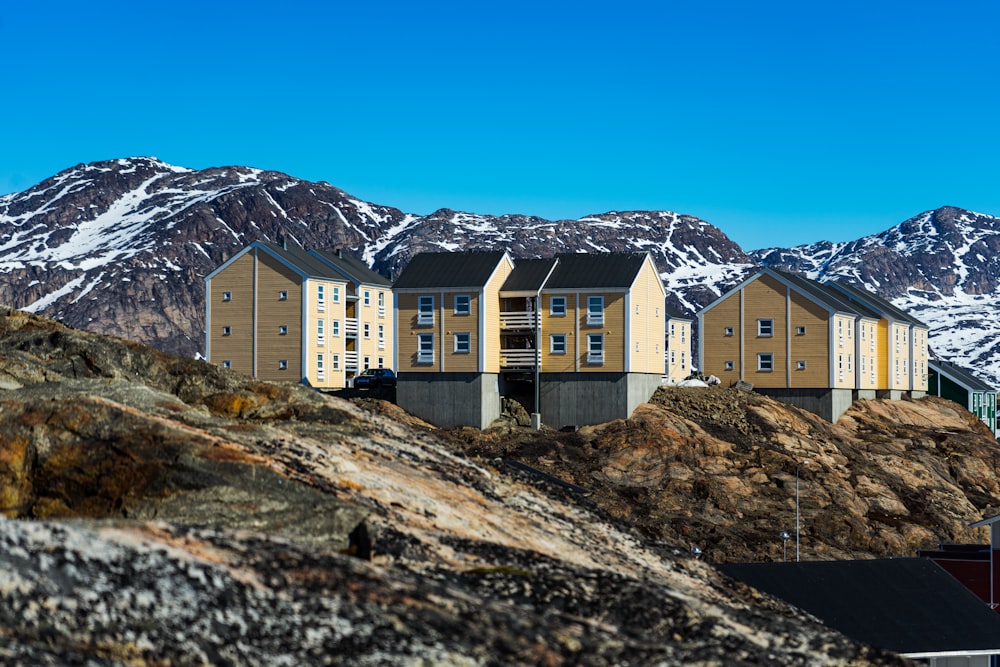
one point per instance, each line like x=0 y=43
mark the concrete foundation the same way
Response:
x=451 y=399
x=917 y=394
x=577 y=399
x=890 y=394
x=829 y=404
x=864 y=395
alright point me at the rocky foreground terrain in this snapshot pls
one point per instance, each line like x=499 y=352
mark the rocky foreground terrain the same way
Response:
x=163 y=511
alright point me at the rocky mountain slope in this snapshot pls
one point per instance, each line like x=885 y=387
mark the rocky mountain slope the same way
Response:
x=161 y=510
x=122 y=247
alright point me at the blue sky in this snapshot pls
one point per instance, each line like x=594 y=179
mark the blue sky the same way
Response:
x=779 y=122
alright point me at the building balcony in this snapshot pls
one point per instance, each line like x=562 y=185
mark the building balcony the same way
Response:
x=520 y=358
x=517 y=319
x=350 y=361
x=351 y=327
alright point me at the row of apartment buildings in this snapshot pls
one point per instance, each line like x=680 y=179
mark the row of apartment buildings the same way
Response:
x=590 y=335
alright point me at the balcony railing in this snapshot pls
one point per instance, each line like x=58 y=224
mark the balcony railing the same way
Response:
x=351 y=361
x=425 y=357
x=351 y=327
x=513 y=319
x=595 y=358
x=381 y=311
x=519 y=358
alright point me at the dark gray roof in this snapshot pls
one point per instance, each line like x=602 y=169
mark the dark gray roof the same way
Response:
x=442 y=270
x=528 y=275
x=877 y=303
x=302 y=260
x=959 y=375
x=353 y=267
x=906 y=605
x=825 y=295
x=610 y=270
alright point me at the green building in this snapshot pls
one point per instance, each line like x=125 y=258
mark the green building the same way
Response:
x=947 y=380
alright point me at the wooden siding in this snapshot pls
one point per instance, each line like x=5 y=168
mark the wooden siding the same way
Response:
x=613 y=330
x=468 y=362
x=920 y=359
x=899 y=340
x=883 y=348
x=868 y=362
x=559 y=363
x=764 y=299
x=408 y=330
x=678 y=350
x=717 y=347
x=491 y=318
x=237 y=348
x=844 y=376
x=646 y=322
x=812 y=347
x=332 y=379
x=272 y=312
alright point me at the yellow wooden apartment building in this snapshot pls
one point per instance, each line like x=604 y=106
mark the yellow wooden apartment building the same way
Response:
x=285 y=314
x=816 y=345
x=472 y=327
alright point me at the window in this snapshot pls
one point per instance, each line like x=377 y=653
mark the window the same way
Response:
x=463 y=304
x=319 y=367
x=320 y=299
x=765 y=327
x=557 y=306
x=227 y=296
x=636 y=309
x=381 y=304
x=595 y=311
x=684 y=331
x=283 y=365
x=282 y=329
x=381 y=362
x=840 y=367
x=368 y=363
x=657 y=311
x=595 y=348
x=282 y=295
x=673 y=357
x=381 y=336
x=800 y=365
x=800 y=331
x=335 y=362
x=673 y=329
x=226 y=363
x=637 y=347
x=336 y=294
x=730 y=366
x=227 y=331
x=320 y=333
x=425 y=348
x=463 y=343
x=367 y=297
x=765 y=362
x=850 y=363
x=334 y=327
x=657 y=348
x=367 y=329
x=425 y=311
x=557 y=343
x=683 y=361
x=729 y=331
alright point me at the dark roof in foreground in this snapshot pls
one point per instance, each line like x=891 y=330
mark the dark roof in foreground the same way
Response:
x=444 y=270
x=353 y=267
x=598 y=270
x=905 y=605
x=528 y=275
x=959 y=375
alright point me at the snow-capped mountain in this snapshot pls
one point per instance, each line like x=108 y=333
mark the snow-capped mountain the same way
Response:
x=122 y=247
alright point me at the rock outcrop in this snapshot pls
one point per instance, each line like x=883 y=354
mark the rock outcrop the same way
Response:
x=162 y=511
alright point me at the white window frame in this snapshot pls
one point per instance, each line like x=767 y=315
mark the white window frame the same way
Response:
x=227 y=296
x=729 y=365
x=800 y=365
x=463 y=342
x=557 y=343
x=800 y=331
x=366 y=330
x=765 y=362
x=282 y=329
x=425 y=310
x=367 y=362
x=595 y=312
x=381 y=362
x=335 y=328
x=557 y=310
x=381 y=336
x=728 y=331
x=467 y=300
x=320 y=299
x=282 y=295
x=336 y=293
x=380 y=300
x=595 y=349
x=226 y=363
x=321 y=331
x=367 y=297
x=765 y=328
x=425 y=348
x=283 y=364
x=227 y=331
x=335 y=362
x=320 y=371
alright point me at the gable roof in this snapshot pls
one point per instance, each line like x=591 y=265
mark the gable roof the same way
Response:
x=674 y=314
x=907 y=605
x=610 y=270
x=296 y=259
x=443 y=270
x=352 y=267
x=816 y=292
x=528 y=275
x=958 y=375
x=875 y=302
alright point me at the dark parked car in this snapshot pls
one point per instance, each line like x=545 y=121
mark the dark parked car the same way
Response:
x=375 y=378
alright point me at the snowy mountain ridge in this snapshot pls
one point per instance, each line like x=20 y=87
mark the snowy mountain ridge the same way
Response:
x=122 y=247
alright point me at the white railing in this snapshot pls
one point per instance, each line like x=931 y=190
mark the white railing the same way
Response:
x=595 y=357
x=425 y=357
x=350 y=361
x=595 y=319
x=381 y=311
x=321 y=341
x=351 y=326
x=519 y=358
x=425 y=319
x=381 y=343
x=517 y=320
